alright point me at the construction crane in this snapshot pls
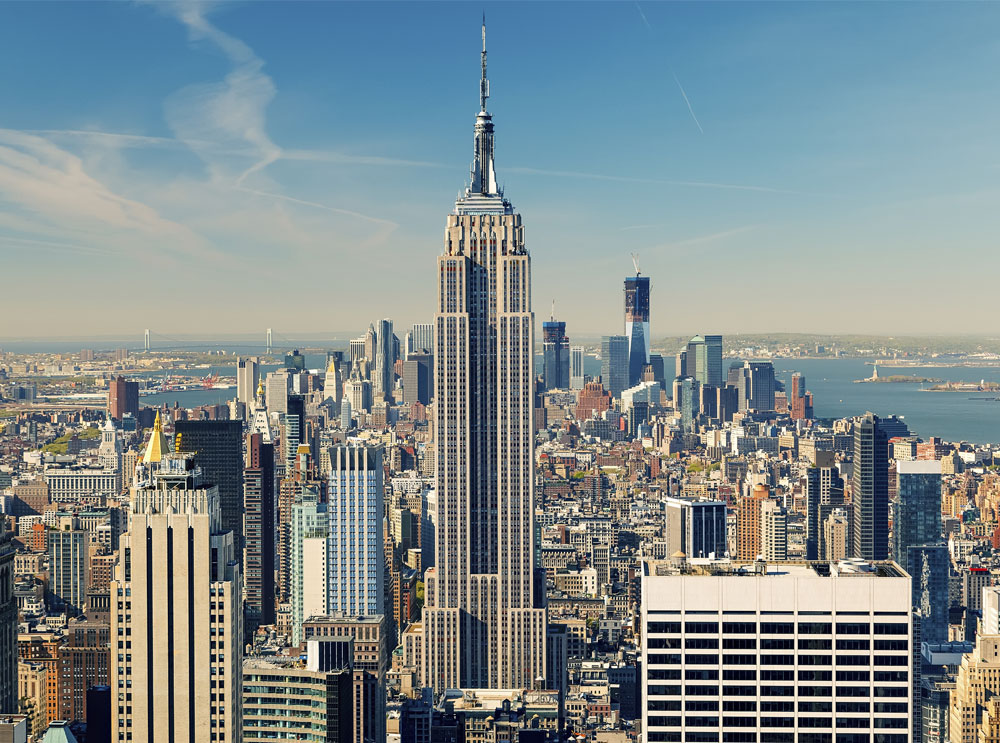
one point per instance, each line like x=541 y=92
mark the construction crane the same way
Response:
x=635 y=262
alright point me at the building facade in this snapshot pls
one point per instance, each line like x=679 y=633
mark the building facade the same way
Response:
x=482 y=627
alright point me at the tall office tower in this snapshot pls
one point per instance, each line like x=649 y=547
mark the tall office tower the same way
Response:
x=836 y=535
x=748 y=523
x=8 y=624
x=727 y=402
x=929 y=566
x=217 y=447
x=761 y=376
x=696 y=527
x=259 y=526
x=417 y=378
x=276 y=388
x=333 y=382
x=482 y=627
x=109 y=454
x=713 y=360
x=802 y=401
x=773 y=531
x=916 y=512
x=657 y=367
x=576 y=373
x=69 y=574
x=681 y=364
x=555 y=355
x=356 y=507
x=738 y=378
x=686 y=402
x=247 y=378
x=824 y=493
x=177 y=598
x=730 y=653
x=123 y=398
x=358 y=391
x=870 y=489
x=637 y=325
x=696 y=359
x=356 y=350
x=614 y=364
x=293 y=429
x=422 y=335
x=371 y=343
x=384 y=360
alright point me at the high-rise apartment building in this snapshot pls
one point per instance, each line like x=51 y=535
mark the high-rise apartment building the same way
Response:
x=482 y=627
x=791 y=653
x=637 y=326
x=577 y=376
x=247 y=379
x=978 y=680
x=217 y=447
x=773 y=531
x=748 y=523
x=555 y=355
x=836 y=532
x=259 y=527
x=801 y=402
x=870 y=489
x=177 y=607
x=123 y=398
x=614 y=364
x=276 y=388
x=916 y=512
x=68 y=567
x=382 y=375
x=696 y=527
x=824 y=493
x=355 y=554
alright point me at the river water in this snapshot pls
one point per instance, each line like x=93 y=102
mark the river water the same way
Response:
x=954 y=416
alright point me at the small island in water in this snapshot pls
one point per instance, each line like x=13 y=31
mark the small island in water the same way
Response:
x=981 y=386
x=897 y=379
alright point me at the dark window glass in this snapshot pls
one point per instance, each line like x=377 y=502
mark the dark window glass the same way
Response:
x=739 y=706
x=739 y=674
x=815 y=660
x=891 y=628
x=853 y=628
x=662 y=736
x=815 y=722
x=701 y=705
x=777 y=722
x=853 y=660
x=739 y=737
x=661 y=643
x=774 y=643
x=892 y=645
x=892 y=660
x=777 y=737
x=815 y=628
x=853 y=691
x=663 y=674
x=739 y=628
x=739 y=722
x=852 y=644
x=889 y=677
x=891 y=708
x=663 y=705
x=852 y=675
x=703 y=659
x=891 y=722
x=815 y=675
x=891 y=738
x=701 y=627
x=700 y=737
x=777 y=628
x=739 y=643
x=853 y=738
x=814 y=643
x=707 y=674
x=777 y=675
x=852 y=722
x=890 y=691
x=671 y=659
x=664 y=721
x=699 y=721
x=815 y=691
x=854 y=707
x=816 y=707
x=664 y=689
x=701 y=691
x=739 y=691
x=777 y=691
x=701 y=643
x=769 y=706
x=815 y=737
x=777 y=660
x=738 y=659
x=662 y=628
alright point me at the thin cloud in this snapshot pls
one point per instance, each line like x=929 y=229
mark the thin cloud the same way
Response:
x=657 y=181
x=709 y=238
x=643 y=16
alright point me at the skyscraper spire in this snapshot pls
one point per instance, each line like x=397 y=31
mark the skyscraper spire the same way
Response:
x=484 y=83
x=483 y=196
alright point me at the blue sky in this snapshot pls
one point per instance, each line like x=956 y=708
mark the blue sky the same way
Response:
x=197 y=167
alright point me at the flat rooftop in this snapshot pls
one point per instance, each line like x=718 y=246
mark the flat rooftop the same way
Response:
x=786 y=569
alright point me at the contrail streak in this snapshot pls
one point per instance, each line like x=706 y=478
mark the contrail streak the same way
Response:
x=643 y=16
x=691 y=110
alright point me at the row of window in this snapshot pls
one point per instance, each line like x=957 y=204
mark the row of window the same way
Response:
x=803 y=691
x=780 y=628
x=712 y=674
x=675 y=736
x=713 y=721
x=729 y=705
x=734 y=659
x=772 y=643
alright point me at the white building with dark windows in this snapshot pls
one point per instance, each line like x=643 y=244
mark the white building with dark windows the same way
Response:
x=794 y=652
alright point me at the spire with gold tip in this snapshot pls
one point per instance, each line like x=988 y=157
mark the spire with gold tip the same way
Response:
x=157 y=446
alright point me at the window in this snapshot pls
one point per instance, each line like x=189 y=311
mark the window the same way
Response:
x=701 y=627
x=739 y=643
x=891 y=628
x=777 y=628
x=701 y=643
x=739 y=628
x=701 y=691
x=816 y=707
x=815 y=628
x=815 y=675
x=739 y=674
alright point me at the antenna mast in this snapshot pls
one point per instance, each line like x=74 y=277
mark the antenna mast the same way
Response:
x=635 y=262
x=484 y=84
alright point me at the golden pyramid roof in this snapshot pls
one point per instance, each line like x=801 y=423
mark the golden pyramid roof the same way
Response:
x=157 y=446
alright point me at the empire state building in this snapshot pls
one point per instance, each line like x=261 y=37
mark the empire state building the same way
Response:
x=482 y=626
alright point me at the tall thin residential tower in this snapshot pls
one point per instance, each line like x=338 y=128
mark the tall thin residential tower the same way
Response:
x=482 y=627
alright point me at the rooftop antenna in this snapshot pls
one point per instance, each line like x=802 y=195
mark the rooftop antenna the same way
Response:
x=484 y=84
x=553 y=315
x=635 y=262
